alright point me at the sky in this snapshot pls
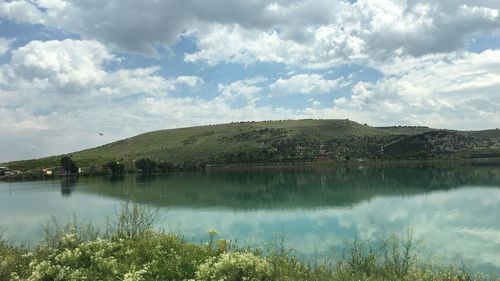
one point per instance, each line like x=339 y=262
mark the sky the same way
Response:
x=73 y=69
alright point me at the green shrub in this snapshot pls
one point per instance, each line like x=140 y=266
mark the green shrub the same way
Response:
x=235 y=267
x=391 y=256
x=12 y=259
x=150 y=256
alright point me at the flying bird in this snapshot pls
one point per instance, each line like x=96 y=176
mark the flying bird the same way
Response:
x=101 y=134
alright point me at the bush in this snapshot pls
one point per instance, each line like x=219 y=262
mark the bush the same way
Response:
x=146 y=165
x=235 y=267
x=134 y=220
x=116 y=168
x=12 y=259
x=151 y=256
x=126 y=250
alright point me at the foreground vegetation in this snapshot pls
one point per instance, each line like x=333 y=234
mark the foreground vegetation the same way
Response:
x=131 y=250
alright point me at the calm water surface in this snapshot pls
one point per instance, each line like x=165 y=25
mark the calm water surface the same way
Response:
x=454 y=210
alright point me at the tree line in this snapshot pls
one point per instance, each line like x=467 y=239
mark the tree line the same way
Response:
x=150 y=166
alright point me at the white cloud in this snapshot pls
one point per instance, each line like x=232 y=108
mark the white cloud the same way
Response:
x=124 y=24
x=19 y=120
x=454 y=91
x=5 y=45
x=142 y=81
x=67 y=66
x=23 y=11
x=190 y=81
x=304 y=84
x=314 y=102
x=367 y=31
x=246 y=46
x=78 y=67
x=248 y=90
x=316 y=33
x=62 y=92
x=250 y=46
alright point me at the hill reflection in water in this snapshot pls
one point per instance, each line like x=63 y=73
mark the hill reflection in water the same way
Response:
x=275 y=188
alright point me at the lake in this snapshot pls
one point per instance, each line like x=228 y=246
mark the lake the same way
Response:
x=453 y=209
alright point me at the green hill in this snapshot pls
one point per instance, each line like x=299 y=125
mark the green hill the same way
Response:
x=471 y=144
x=256 y=142
x=406 y=130
x=486 y=133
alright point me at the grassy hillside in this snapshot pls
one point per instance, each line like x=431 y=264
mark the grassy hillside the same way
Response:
x=475 y=144
x=264 y=142
x=406 y=130
x=207 y=142
x=486 y=133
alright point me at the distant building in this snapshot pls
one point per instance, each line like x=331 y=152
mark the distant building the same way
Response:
x=4 y=171
x=47 y=172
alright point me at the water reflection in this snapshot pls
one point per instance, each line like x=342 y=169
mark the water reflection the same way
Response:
x=291 y=188
x=452 y=208
x=67 y=186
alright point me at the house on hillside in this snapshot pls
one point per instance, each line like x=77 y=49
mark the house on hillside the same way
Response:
x=47 y=172
x=3 y=171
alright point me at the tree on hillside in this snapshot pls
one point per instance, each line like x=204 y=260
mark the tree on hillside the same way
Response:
x=68 y=165
x=166 y=167
x=116 y=168
x=146 y=165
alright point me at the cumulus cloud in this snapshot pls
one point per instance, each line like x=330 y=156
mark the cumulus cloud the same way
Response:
x=248 y=90
x=23 y=11
x=79 y=67
x=250 y=46
x=128 y=25
x=136 y=27
x=304 y=84
x=317 y=33
x=453 y=91
x=54 y=87
x=190 y=81
x=367 y=31
x=68 y=66
x=5 y=45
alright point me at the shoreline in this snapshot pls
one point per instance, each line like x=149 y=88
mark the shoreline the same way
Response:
x=358 y=163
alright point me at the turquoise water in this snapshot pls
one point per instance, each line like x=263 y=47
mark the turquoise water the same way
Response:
x=455 y=210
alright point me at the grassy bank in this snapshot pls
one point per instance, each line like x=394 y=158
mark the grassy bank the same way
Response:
x=130 y=249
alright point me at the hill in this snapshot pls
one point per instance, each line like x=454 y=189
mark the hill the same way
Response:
x=273 y=142
x=406 y=130
x=472 y=144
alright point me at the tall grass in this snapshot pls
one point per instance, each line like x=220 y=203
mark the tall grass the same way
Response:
x=129 y=249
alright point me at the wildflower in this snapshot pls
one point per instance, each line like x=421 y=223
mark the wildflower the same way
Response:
x=212 y=232
x=235 y=266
